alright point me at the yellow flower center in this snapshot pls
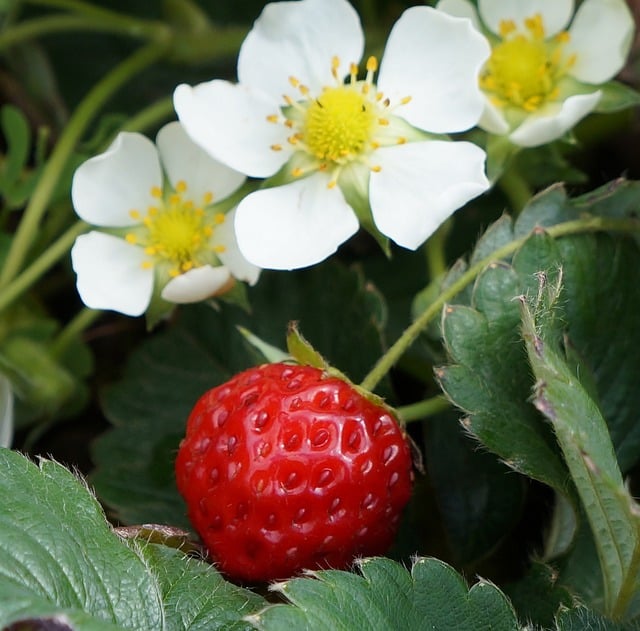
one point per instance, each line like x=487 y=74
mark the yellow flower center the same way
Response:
x=346 y=122
x=176 y=232
x=524 y=68
x=339 y=124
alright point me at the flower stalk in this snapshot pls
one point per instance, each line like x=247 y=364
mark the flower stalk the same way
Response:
x=408 y=337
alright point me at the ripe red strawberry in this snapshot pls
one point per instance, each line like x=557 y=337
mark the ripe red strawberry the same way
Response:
x=285 y=467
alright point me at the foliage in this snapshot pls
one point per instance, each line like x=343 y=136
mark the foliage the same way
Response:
x=506 y=344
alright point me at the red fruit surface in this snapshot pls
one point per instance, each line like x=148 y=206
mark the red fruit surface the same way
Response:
x=285 y=467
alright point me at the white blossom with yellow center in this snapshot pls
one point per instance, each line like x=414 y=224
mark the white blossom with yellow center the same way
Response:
x=546 y=63
x=159 y=232
x=306 y=109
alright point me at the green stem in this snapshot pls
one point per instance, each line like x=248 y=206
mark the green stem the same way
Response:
x=369 y=12
x=31 y=29
x=82 y=320
x=423 y=409
x=516 y=188
x=41 y=265
x=150 y=116
x=393 y=354
x=435 y=251
x=72 y=133
x=121 y=21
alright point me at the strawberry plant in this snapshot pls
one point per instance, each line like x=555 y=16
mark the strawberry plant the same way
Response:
x=442 y=198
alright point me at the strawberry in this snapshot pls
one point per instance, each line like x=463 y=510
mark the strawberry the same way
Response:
x=285 y=467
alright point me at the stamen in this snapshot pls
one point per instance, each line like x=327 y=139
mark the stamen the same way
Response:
x=156 y=191
x=506 y=27
x=524 y=69
x=335 y=65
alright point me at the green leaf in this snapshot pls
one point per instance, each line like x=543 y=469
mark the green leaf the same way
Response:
x=72 y=564
x=36 y=376
x=269 y=353
x=478 y=501
x=616 y=96
x=165 y=377
x=15 y=128
x=538 y=596
x=587 y=448
x=194 y=594
x=301 y=350
x=489 y=377
x=489 y=380
x=386 y=596
x=581 y=618
x=70 y=561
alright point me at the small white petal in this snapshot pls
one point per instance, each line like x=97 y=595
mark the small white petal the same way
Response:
x=110 y=274
x=601 y=36
x=554 y=121
x=445 y=97
x=295 y=225
x=493 y=119
x=184 y=160
x=460 y=9
x=230 y=123
x=421 y=184
x=106 y=187
x=225 y=235
x=196 y=284
x=6 y=412
x=555 y=13
x=300 y=39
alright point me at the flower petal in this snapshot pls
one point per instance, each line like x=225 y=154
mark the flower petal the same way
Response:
x=230 y=123
x=300 y=39
x=460 y=9
x=553 y=122
x=110 y=274
x=293 y=226
x=6 y=412
x=555 y=13
x=231 y=257
x=601 y=36
x=196 y=284
x=493 y=119
x=186 y=161
x=435 y=59
x=106 y=187
x=421 y=184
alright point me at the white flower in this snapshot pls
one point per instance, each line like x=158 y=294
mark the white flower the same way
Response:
x=344 y=151
x=6 y=412
x=164 y=234
x=542 y=77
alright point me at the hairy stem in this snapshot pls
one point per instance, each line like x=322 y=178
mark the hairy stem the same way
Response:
x=423 y=409
x=393 y=354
